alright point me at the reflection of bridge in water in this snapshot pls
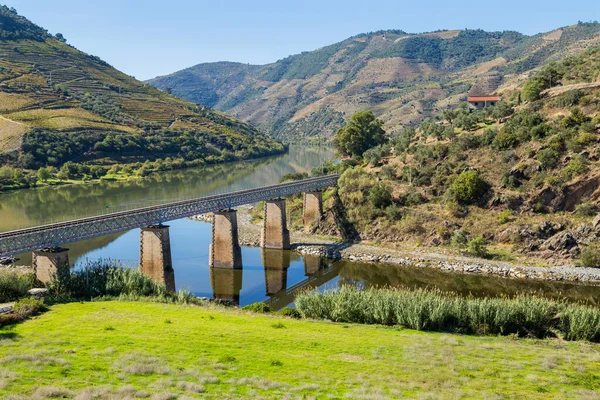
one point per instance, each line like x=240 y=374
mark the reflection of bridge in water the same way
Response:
x=227 y=282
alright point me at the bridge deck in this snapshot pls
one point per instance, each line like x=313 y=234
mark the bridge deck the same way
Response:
x=23 y=240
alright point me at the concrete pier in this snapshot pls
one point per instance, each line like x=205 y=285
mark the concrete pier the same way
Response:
x=312 y=264
x=275 y=234
x=276 y=264
x=225 y=250
x=155 y=255
x=226 y=284
x=50 y=263
x=313 y=208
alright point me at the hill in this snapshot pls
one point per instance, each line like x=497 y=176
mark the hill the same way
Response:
x=402 y=77
x=522 y=177
x=58 y=104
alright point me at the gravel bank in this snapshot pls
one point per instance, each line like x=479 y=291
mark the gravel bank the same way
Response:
x=249 y=235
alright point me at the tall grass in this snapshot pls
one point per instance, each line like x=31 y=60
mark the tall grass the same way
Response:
x=433 y=310
x=13 y=285
x=108 y=279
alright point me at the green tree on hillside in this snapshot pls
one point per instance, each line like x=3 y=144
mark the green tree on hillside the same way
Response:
x=360 y=134
x=44 y=174
x=533 y=89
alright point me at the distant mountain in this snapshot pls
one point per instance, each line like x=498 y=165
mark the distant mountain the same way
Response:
x=59 y=104
x=402 y=77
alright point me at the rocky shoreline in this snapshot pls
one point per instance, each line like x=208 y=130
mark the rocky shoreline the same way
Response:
x=249 y=235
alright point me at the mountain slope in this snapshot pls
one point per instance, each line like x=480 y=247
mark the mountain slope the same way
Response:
x=59 y=104
x=401 y=77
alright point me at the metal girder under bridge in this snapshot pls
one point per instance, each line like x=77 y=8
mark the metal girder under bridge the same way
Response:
x=53 y=235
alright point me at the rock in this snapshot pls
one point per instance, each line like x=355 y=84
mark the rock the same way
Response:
x=596 y=222
x=560 y=241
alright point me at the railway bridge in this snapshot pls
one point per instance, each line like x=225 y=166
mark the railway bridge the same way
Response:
x=155 y=250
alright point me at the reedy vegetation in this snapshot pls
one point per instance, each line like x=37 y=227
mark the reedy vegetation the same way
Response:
x=432 y=310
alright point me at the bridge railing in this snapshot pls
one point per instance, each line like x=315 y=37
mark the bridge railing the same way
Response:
x=56 y=234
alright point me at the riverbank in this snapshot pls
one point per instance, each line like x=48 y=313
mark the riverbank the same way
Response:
x=130 y=349
x=249 y=235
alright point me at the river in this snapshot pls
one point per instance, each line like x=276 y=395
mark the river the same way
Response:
x=273 y=276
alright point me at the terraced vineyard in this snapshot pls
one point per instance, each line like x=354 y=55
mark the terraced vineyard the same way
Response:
x=51 y=89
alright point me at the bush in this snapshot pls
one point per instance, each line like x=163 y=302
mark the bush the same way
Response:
x=380 y=196
x=548 y=158
x=590 y=257
x=258 y=308
x=22 y=310
x=433 y=310
x=459 y=238
x=290 y=312
x=478 y=247
x=14 y=286
x=469 y=187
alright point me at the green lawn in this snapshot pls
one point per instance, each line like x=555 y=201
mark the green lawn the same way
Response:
x=120 y=349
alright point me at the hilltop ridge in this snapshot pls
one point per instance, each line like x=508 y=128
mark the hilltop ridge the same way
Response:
x=402 y=77
x=58 y=104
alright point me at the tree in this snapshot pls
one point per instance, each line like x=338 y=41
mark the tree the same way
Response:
x=59 y=36
x=469 y=187
x=380 y=196
x=533 y=89
x=362 y=132
x=44 y=174
x=501 y=111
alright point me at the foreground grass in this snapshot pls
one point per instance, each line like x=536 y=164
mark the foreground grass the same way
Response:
x=120 y=349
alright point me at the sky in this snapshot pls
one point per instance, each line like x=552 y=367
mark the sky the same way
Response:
x=148 y=38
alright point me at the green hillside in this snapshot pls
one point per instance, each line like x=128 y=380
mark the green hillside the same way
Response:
x=58 y=104
x=522 y=178
x=402 y=77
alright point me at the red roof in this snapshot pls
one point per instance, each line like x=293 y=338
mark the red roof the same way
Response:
x=483 y=98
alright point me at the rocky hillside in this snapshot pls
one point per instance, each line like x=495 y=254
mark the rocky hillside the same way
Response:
x=402 y=77
x=522 y=178
x=58 y=104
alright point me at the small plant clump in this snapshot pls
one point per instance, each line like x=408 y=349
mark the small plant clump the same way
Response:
x=258 y=307
x=590 y=256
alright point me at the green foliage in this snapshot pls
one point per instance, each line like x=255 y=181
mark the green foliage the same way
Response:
x=259 y=307
x=23 y=309
x=14 y=286
x=590 y=256
x=380 y=196
x=533 y=89
x=478 y=247
x=290 y=312
x=469 y=187
x=15 y=27
x=459 y=239
x=105 y=278
x=548 y=158
x=362 y=132
x=433 y=310
x=576 y=167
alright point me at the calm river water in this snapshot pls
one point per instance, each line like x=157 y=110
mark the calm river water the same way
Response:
x=273 y=276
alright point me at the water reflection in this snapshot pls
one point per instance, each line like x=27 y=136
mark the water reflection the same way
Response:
x=29 y=207
x=226 y=284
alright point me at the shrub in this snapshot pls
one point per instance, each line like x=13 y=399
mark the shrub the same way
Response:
x=459 y=238
x=13 y=286
x=433 y=310
x=22 y=310
x=258 y=308
x=469 y=187
x=290 y=312
x=586 y=209
x=478 y=247
x=548 y=158
x=590 y=257
x=504 y=216
x=577 y=166
x=380 y=196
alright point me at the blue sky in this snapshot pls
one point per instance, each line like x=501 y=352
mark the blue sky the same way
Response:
x=146 y=38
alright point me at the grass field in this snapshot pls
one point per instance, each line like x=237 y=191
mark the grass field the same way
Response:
x=118 y=349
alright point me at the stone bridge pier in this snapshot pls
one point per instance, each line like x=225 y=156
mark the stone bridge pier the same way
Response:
x=155 y=255
x=50 y=263
x=276 y=264
x=312 y=209
x=225 y=250
x=274 y=234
